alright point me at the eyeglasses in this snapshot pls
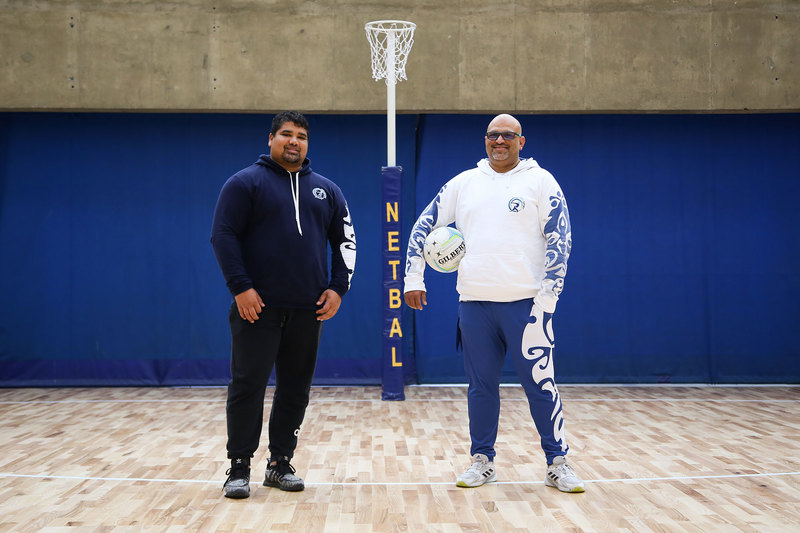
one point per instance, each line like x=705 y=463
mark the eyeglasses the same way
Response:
x=507 y=135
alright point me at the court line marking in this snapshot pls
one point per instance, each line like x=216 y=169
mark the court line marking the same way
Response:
x=398 y=483
x=412 y=400
x=155 y=400
x=462 y=385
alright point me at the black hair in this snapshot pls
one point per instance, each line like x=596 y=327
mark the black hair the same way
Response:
x=288 y=116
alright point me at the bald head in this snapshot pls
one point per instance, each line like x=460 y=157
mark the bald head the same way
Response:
x=505 y=119
x=504 y=153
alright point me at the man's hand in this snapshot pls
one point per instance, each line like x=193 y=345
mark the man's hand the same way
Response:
x=416 y=299
x=249 y=304
x=330 y=302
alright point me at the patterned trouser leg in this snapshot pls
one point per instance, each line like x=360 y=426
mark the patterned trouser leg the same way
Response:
x=534 y=364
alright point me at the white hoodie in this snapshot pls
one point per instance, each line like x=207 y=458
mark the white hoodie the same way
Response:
x=516 y=230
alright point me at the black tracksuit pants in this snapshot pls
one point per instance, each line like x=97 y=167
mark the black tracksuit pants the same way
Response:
x=286 y=339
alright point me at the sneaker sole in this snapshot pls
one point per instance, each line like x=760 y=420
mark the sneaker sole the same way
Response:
x=238 y=494
x=287 y=489
x=574 y=490
x=465 y=485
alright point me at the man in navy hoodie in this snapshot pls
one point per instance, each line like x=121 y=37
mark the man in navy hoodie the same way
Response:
x=272 y=226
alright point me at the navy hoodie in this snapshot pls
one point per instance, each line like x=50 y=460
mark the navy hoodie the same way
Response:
x=271 y=232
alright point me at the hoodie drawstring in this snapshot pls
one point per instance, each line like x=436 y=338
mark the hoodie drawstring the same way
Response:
x=295 y=186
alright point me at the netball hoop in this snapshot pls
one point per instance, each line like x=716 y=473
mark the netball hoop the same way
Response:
x=390 y=41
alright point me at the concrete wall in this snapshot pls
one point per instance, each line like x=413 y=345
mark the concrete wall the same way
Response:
x=468 y=56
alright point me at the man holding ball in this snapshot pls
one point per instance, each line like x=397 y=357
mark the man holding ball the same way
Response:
x=515 y=223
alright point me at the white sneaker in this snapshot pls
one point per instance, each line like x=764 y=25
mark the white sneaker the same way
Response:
x=561 y=476
x=481 y=471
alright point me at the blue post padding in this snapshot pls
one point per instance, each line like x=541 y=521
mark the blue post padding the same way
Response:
x=392 y=178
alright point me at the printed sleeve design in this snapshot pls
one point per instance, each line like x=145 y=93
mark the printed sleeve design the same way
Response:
x=558 y=233
x=348 y=247
x=343 y=251
x=432 y=217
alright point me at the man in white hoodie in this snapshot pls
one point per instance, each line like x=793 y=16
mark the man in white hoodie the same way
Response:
x=516 y=227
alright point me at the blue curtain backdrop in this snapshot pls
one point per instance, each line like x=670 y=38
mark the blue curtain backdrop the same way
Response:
x=685 y=263
x=684 y=267
x=107 y=272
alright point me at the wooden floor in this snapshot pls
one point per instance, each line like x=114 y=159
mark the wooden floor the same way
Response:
x=658 y=459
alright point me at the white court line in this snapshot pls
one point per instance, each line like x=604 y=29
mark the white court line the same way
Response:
x=710 y=400
x=417 y=400
x=161 y=400
x=459 y=385
x=409 y=483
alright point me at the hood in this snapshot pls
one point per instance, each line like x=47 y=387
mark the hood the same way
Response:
x=523 y=165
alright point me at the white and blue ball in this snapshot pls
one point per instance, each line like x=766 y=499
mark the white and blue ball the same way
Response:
x=444 y=248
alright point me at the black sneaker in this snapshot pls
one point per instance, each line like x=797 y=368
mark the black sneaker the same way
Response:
x=238 y=483
x=280 y=474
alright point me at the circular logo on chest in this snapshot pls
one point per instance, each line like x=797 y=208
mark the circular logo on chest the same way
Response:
x=515 y=205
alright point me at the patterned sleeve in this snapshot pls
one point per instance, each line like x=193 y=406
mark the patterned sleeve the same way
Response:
x=342 y=237
x=440 y=212
x=555 y=226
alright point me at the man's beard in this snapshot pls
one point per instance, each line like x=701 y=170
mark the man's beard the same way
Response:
x=500 y=156
x=290 y=157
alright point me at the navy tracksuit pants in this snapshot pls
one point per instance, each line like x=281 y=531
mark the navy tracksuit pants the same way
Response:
x=488 y=331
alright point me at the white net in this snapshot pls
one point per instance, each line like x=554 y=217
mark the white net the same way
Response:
x=390 y=42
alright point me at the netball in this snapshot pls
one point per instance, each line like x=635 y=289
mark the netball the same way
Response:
x=444 y=248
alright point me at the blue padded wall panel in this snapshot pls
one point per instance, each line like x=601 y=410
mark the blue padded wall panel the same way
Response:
x=684 y=267
x=107 y=272
x=685 y=254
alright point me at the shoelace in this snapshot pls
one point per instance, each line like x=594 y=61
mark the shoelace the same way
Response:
x=563 y=471
x=241 y=468
x=283 y=467
x=476 y=467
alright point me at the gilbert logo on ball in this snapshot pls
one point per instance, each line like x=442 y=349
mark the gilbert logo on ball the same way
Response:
x=444 y=248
